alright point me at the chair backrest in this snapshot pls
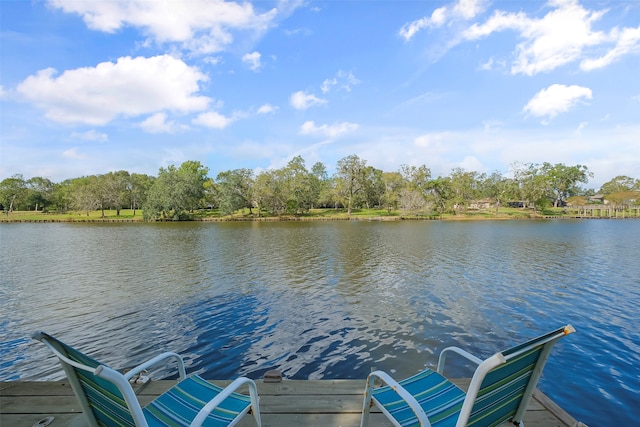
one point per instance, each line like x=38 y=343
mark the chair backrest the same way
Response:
x=102 y=402
x=508 y=379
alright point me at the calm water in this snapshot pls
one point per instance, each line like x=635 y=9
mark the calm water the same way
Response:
x=331 y=299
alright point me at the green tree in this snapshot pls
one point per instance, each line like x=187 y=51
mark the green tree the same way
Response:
x=319 y=170
x=192 y=177
x=40 y=191
x=499 y=189
x=441 y=194
x=563 y=180
x=393 y=184
x=139 y=185
x=85 y=194
x=533 y=186
x=176 y=192
x=13 y=192
x=299 y=185
x=268 y=193
x=330 y=194
x=210 y=194
x=319 y=180
x=621 y=200
x=416 y=178
x=116 y=187
x=463 y=186
x=61 y=196
x=291 y=189
x=323 y=183
x=350 y=179
x=374 y=187
x=414 y=196
x=618 y=184
x=235 y=190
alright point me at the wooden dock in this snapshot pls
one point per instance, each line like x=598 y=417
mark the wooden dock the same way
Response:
x=313 y=403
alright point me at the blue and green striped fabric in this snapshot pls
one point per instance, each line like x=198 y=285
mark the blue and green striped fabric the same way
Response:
x=106 y=401
x=498 y=399
x=178 y=406
x=502 y=390
x=440 y=399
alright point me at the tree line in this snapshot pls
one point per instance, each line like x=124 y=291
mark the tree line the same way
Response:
x=177 y=191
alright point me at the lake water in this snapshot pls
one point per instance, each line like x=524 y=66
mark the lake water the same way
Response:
x=332 y=299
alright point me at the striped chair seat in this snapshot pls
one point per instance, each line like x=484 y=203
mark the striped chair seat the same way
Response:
x=440 y=399
x=500 y=389
x=108 y=400
x=179 y=405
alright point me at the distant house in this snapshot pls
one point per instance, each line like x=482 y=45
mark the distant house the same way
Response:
x=598 y=198
x=481 y=204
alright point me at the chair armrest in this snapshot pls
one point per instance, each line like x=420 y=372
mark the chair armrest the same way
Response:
x=226 y=392
x=461 y=352
x=404 y=394
x=156 y=360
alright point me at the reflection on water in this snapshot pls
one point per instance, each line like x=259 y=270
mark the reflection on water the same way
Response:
x=330 y=300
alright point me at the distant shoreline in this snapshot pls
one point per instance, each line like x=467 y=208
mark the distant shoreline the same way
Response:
x=291 y=218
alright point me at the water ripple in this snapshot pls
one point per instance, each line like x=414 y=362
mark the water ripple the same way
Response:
x=330 y=300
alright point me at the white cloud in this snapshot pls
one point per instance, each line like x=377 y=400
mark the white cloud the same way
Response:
x=563 y=35
x=627 y=41
x=462 y=9
x=158 y=123
x=130 y=87
x=468 y=9
x=213 y=119
x=493 y=64
x=499 y=21
x=267 y=108
x=557 y=39
x=492 y=125
x=437 y=19
x=580 y=127
x=201 y=26
x=213 y=60
x=252 y=60
x=301 y=100
x=471 y=163
x=487 y=66
x=329 y=131
x=72 y=153
x=343 y=81
x=556 y=99
x=90 y=135
x=327 y=84
x=436 y=143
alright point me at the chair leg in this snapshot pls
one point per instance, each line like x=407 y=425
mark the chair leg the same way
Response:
x=368 y=402
x=255 y=403
x=256 y=417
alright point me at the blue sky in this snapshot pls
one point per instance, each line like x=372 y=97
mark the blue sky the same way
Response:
x=92 y=87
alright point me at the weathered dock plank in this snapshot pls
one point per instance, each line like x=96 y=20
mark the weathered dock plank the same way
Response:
x=310 y=403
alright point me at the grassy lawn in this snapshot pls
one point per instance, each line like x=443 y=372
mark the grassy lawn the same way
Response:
x=125 y=215
x=320 y=214
x=337 y=214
